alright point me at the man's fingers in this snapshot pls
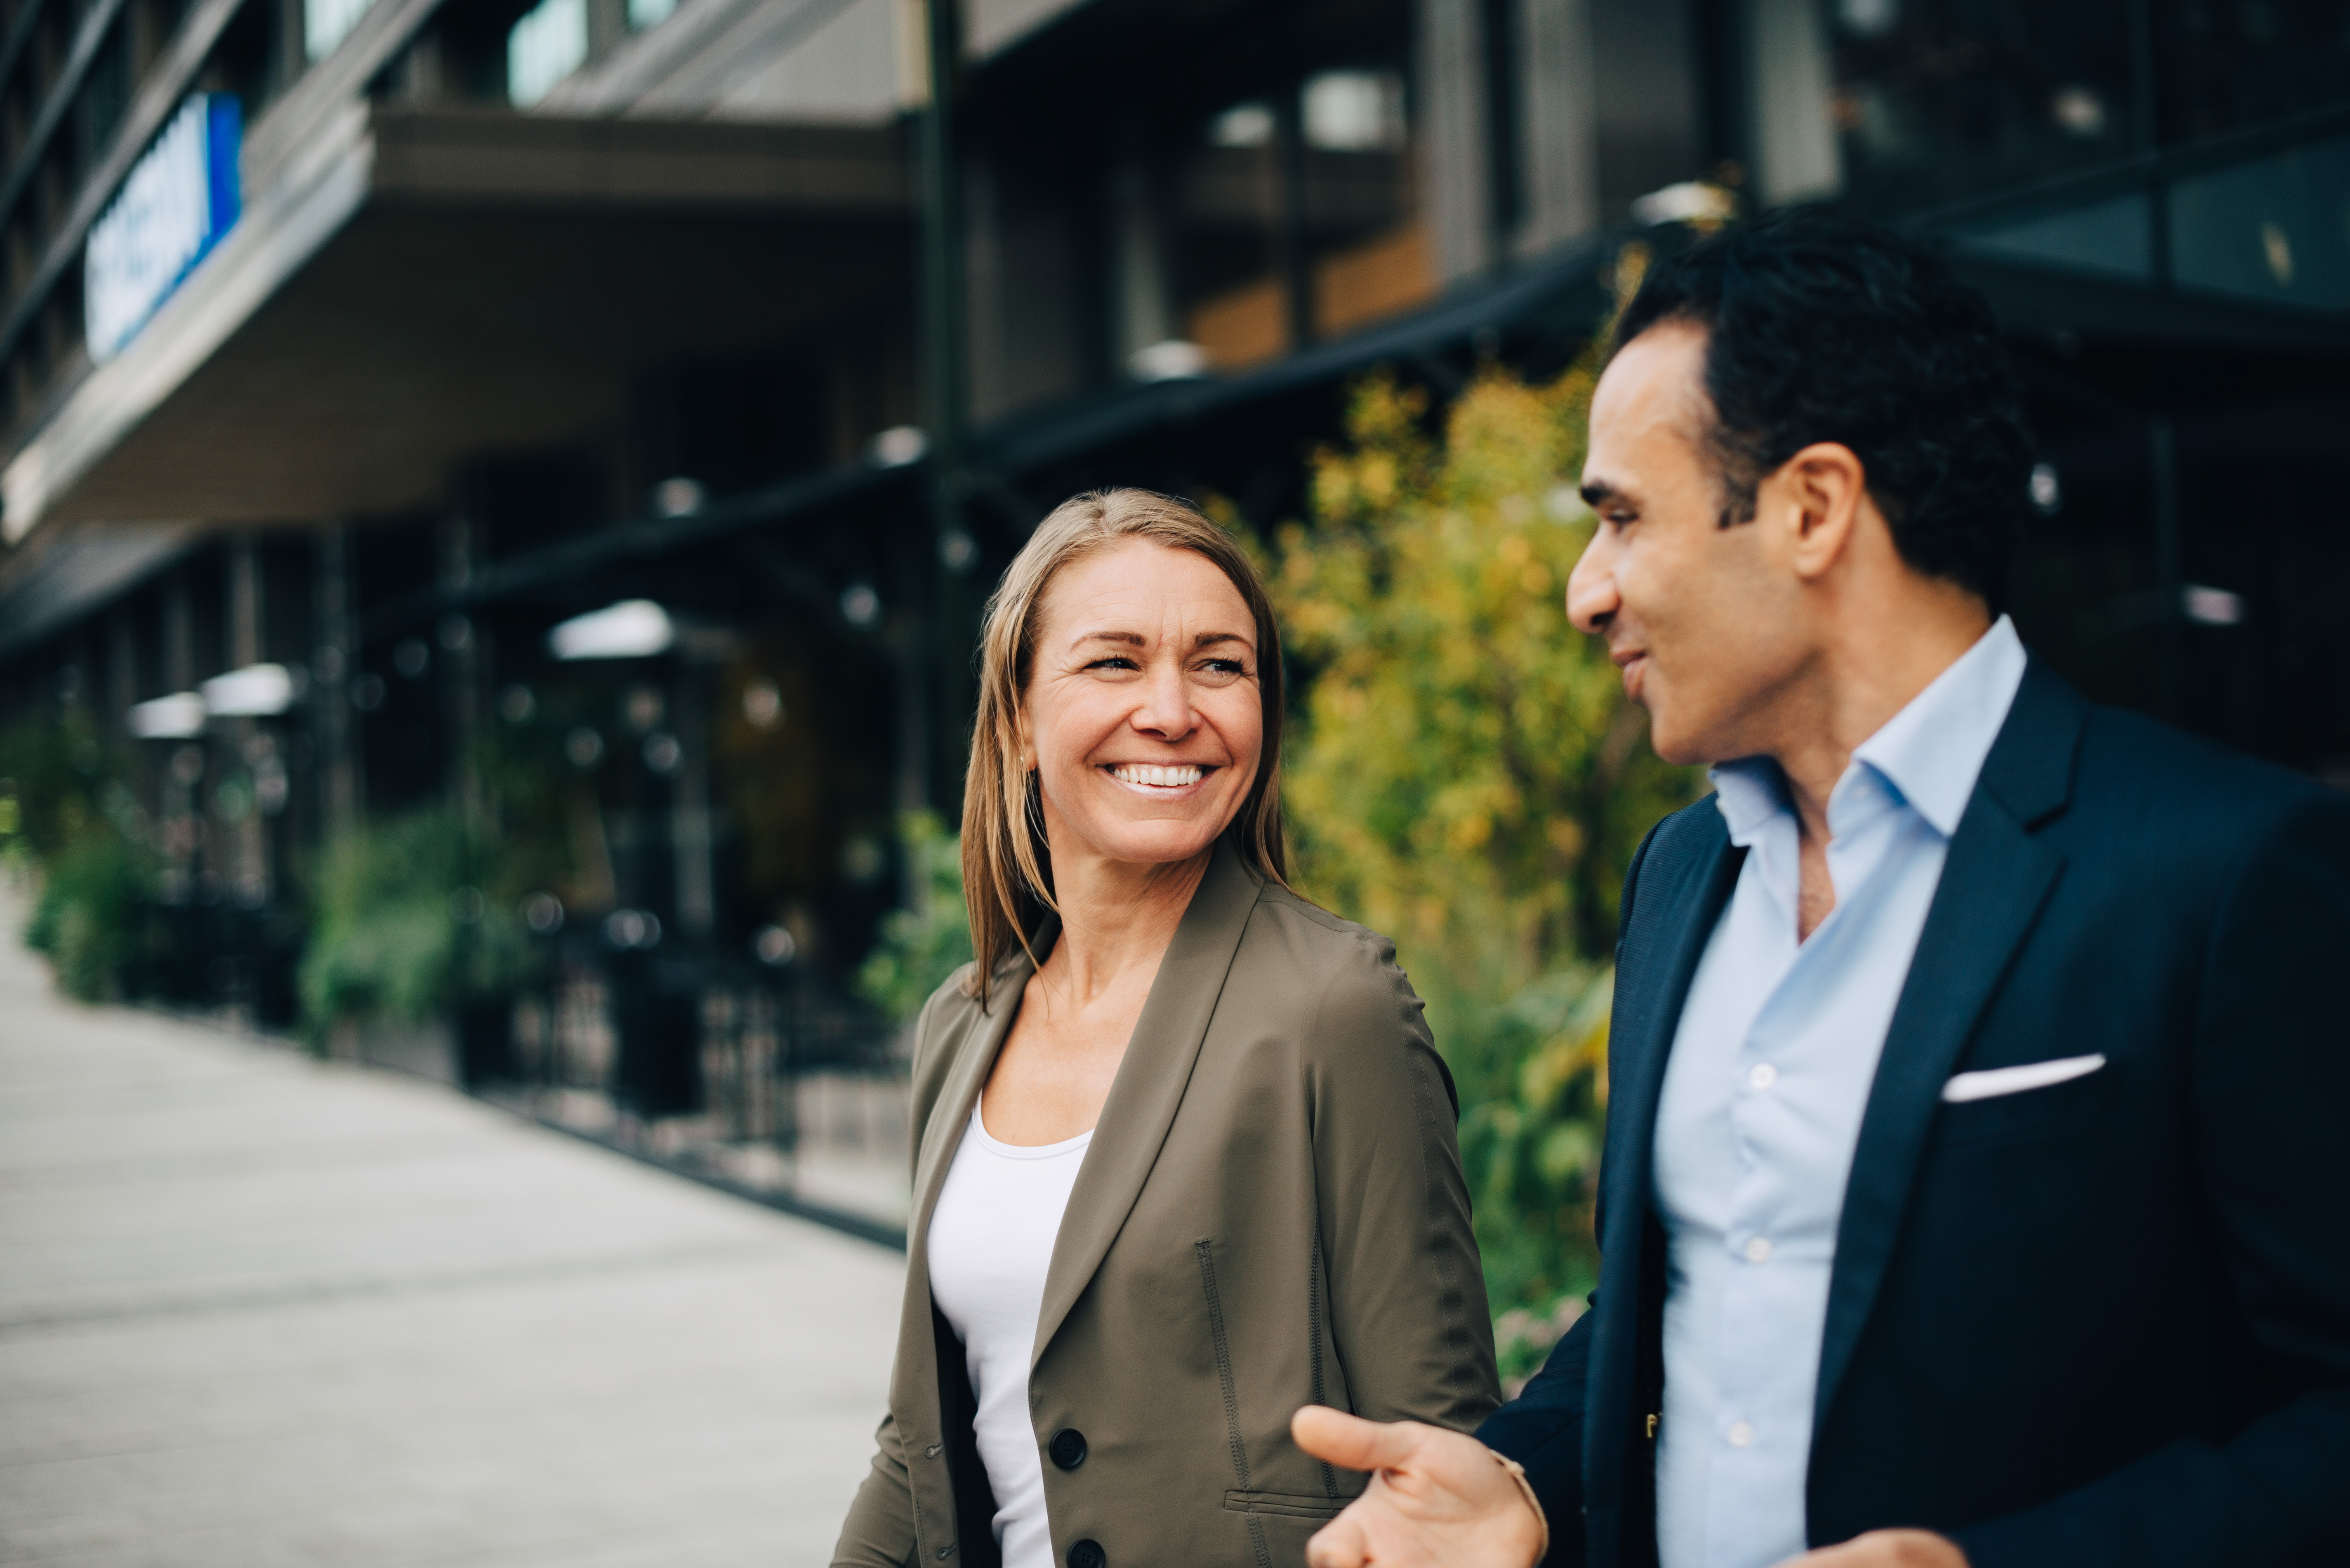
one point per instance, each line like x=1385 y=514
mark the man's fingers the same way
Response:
x=1339 y=1544
x=1352 y=1443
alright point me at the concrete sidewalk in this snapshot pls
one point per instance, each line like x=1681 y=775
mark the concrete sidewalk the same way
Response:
x=257 y=1310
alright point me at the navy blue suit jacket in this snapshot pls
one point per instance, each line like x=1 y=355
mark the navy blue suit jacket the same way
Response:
x=2102 y=1322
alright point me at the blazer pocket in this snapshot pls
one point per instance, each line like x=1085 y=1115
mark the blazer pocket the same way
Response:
x=1991 y=1083
x=2018 y=1102
x=1289 y=1505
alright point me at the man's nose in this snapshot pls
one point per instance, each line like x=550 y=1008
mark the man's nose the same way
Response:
x=1591 y=596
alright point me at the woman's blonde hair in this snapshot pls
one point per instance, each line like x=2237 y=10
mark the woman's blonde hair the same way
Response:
x=1007 y=867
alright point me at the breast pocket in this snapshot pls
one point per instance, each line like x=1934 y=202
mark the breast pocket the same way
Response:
x=2024 y=1113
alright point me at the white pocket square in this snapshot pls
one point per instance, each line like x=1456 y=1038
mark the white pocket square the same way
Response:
x=1993 y=1081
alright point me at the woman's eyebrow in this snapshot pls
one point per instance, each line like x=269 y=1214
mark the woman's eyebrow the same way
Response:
x=1136 y=639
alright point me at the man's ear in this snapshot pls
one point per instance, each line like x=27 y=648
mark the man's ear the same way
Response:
x=1816 y=499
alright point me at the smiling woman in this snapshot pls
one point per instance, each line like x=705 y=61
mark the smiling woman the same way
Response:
x=1185 y=1157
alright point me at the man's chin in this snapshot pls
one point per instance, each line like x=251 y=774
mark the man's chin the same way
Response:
x=1676 y=746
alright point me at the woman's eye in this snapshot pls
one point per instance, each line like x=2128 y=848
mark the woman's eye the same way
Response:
x=1225 y=667
x=1115 y=661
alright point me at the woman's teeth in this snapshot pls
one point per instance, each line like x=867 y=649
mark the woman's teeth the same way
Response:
x=1162 y=778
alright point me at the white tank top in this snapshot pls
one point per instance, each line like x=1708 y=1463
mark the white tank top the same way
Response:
x=991 y=1241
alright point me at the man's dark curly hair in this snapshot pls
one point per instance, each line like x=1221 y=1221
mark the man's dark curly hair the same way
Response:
x=1823 y=329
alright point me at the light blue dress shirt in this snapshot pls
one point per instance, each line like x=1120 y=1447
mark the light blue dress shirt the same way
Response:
x=1770 y=1072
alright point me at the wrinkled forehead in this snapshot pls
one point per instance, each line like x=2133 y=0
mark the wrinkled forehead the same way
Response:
x=1142 y=593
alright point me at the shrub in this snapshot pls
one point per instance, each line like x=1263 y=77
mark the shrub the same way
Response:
x=1470 y=779
x=93 y=915
x=409 y=923
x=922 y=945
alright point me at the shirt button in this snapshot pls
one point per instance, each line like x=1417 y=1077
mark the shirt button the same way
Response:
x=1758 y=1250
x=1741 y=1434
x=1762 y=1075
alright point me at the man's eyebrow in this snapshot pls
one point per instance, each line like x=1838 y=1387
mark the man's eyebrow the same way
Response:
x=1596 y=491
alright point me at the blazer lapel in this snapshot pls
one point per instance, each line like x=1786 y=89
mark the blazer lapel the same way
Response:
x=1678 y=907
x=944 y=1135
x=1686 y=877
x=1150 y=1085
x=1994 y=882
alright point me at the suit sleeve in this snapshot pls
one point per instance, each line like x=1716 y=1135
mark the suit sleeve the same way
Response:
x=1542 y=1429
x=2271 y=1079
x=879 y=1530
x=1407 y=1307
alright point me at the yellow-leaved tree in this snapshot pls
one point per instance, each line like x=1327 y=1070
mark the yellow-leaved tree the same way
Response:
x=1469 y=779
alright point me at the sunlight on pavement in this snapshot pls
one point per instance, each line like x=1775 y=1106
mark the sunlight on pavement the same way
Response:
x=257 y=1310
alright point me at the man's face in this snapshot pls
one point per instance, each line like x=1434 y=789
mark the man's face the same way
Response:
x=1707 y=626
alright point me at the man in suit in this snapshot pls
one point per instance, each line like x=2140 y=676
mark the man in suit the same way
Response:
x=1974 y=1188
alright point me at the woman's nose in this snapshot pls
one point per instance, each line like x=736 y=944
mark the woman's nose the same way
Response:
x=1591 y=596
x=1166 y=709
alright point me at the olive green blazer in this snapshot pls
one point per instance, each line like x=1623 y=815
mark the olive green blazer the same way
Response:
x=1271 y=1214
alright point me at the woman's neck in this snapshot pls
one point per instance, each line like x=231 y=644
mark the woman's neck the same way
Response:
x=1116 y=918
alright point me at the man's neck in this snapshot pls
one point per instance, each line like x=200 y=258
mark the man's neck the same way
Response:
x=1856 y=686
x=1873 y=665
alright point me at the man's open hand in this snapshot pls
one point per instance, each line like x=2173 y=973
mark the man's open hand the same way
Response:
x=1885 y=1549
x=1436 y=1498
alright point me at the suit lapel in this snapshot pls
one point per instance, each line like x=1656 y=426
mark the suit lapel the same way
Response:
x=1674 y=919
x=1150 y=1085
x=943 y=1134
x=1994 y=882
x=1685 y=877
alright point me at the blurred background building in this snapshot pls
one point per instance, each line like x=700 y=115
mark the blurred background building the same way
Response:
x=527 y=421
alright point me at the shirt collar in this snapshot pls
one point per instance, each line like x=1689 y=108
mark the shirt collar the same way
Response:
x=1930 y=753
x=1933 y=750
x=1749 y=792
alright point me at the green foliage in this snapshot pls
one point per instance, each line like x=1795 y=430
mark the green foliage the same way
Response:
x=65 y=818
x=1468 y=776
x=412 y=918
x=56 y=776
x=93 y=911
x=922 y=946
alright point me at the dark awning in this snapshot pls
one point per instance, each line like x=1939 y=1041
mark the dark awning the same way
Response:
x=77 y=573
x=1540 y=312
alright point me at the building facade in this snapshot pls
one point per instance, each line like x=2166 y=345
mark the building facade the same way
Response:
x=353 y=351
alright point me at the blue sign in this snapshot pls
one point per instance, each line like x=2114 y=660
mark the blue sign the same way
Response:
x=180 y=199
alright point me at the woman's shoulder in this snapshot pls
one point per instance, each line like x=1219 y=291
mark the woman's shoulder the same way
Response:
x=1324 y=959
x=1332 y=990
x=1337 y=939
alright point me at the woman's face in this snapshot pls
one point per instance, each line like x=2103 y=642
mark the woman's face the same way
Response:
x=1143 y=715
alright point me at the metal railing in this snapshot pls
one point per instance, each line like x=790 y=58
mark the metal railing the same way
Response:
x=762 y=1082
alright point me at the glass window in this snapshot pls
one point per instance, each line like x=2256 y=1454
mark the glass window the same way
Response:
x=1936 y=99
x=2276 y=228
x=2112 y=236
x=1313 y=190
x=547 y=45
x=327 y=23
x=2229 y=64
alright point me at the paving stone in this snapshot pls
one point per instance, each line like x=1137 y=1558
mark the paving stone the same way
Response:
x=259 y=1310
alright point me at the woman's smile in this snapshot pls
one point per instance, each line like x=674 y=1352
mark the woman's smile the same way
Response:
x=1160 y=781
